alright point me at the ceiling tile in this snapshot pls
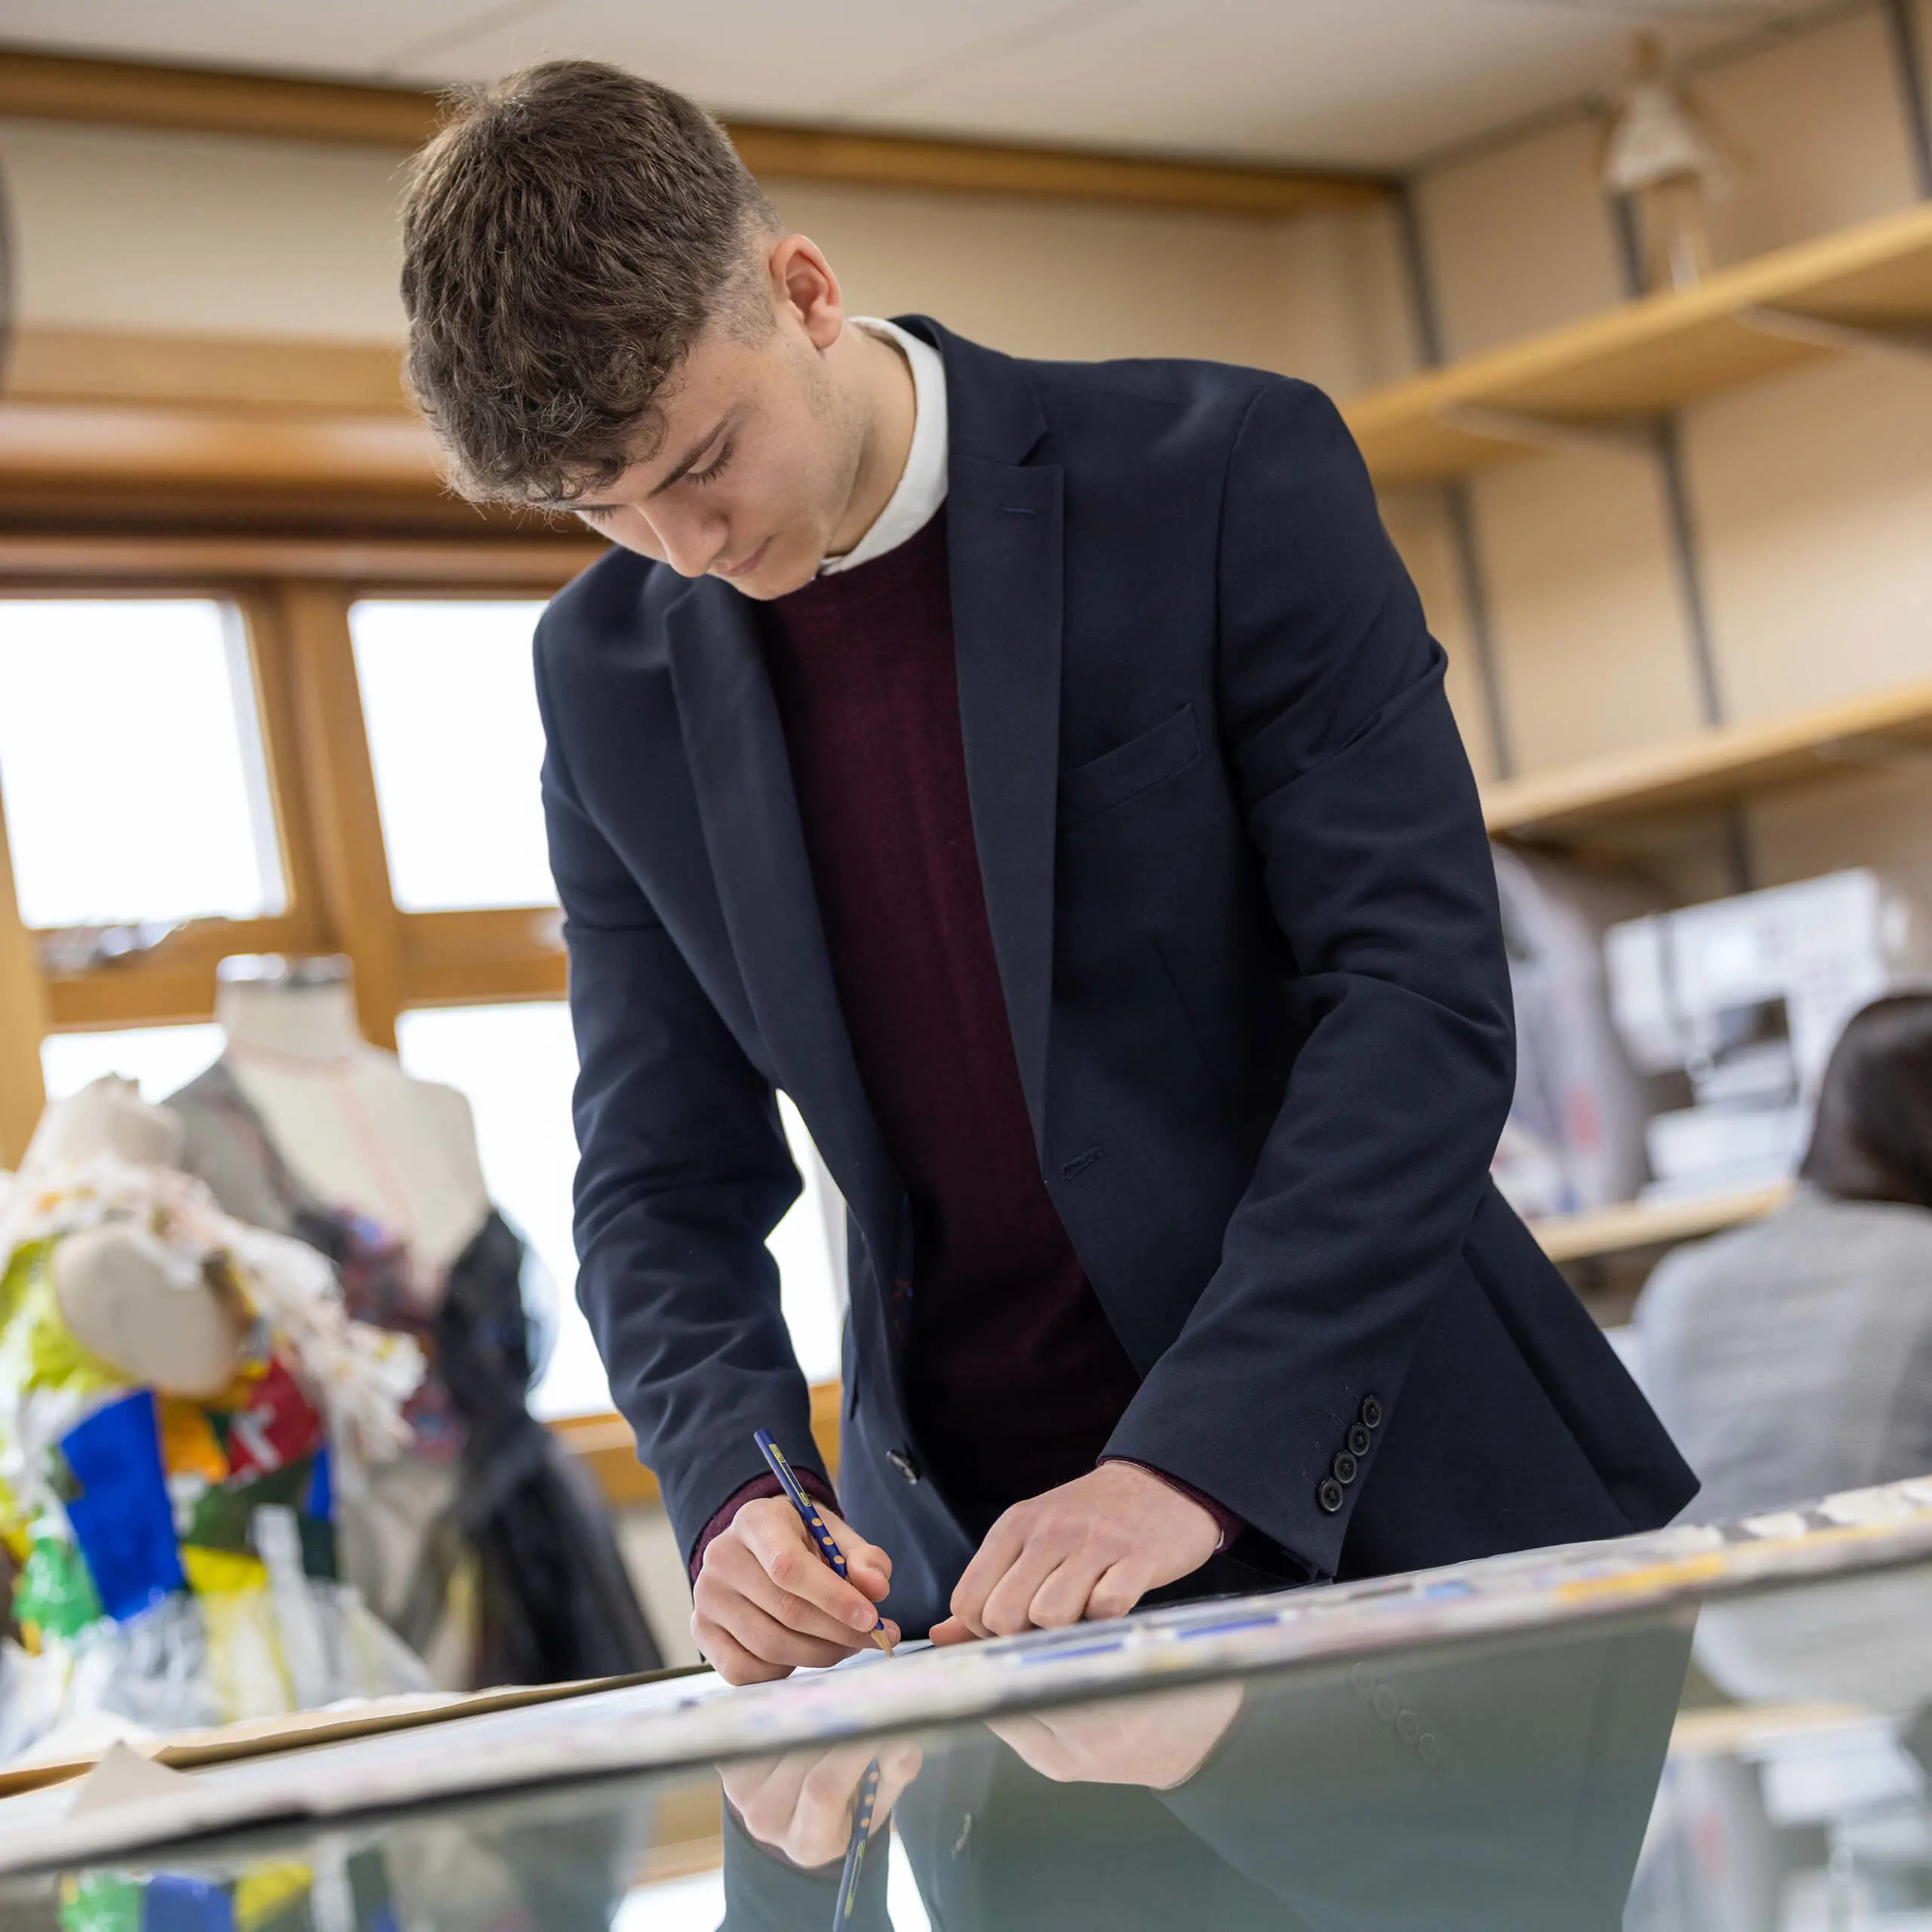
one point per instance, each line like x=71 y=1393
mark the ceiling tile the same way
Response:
x=1374 y=85
x=1369 y=83
x=345 y=38
x=771 y=58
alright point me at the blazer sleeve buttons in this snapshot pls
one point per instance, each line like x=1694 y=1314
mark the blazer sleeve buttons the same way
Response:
x=904 y=1464
x=1347 y=1465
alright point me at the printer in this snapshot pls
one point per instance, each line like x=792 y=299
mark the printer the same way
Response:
x=1747 y=996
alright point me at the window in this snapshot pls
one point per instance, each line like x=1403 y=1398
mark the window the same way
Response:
x=517 y=1064
x=131 y=763
x=456 y=743
x=159 y=1059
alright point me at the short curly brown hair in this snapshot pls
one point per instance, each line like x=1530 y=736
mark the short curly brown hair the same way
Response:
x=567 y=237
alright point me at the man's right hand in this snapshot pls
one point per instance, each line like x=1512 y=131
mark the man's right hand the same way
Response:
x=765 y=1601
x=801 y=1805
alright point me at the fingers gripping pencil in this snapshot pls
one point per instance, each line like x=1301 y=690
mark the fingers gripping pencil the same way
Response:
x=794 y=1491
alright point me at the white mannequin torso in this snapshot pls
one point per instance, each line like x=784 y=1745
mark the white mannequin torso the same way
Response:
x=355 y=1129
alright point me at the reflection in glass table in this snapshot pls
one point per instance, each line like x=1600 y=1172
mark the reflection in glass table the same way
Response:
x=1585 y=1775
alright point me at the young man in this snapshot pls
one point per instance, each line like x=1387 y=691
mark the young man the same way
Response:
x=1042 y=772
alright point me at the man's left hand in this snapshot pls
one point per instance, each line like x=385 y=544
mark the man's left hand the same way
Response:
x=1091 y=1548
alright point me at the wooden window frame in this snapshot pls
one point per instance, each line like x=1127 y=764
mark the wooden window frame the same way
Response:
x=294 y=597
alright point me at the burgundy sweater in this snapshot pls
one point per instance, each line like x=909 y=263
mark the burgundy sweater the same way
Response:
x=1014 y=1378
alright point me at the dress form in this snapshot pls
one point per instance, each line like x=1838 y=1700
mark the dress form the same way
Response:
x=353 y=1127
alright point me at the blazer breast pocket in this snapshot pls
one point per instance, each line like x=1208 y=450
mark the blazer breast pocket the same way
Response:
x=1129 y=769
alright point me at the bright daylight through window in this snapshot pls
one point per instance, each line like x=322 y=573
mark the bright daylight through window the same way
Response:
x=131 y=764
x=456 y=743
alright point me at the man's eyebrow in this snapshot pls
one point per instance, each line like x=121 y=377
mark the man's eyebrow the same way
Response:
x=681 y=470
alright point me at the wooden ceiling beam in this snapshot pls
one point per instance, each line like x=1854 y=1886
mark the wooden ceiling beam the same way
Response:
x=131 y=93
x=38 y=86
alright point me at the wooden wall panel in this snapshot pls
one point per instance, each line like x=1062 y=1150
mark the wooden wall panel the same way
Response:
x=1819 y=136
x=1814 y=517
x=1590 y=634
x=1418 y=525
x=1518 y=240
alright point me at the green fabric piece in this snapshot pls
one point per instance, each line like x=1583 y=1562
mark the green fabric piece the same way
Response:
x=100 y=1902
x=221 y=1516
x=55 y=1590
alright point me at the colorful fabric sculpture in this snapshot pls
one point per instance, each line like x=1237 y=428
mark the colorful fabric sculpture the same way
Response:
x=172 y=1552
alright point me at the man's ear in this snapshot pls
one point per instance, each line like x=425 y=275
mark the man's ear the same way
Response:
x=804 y=282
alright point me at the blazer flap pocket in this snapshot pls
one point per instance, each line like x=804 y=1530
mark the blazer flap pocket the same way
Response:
x=1171 y=747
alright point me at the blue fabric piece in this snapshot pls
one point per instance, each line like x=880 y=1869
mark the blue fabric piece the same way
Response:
x=173 y=1903
x=321 y=1503
x=122 y=1519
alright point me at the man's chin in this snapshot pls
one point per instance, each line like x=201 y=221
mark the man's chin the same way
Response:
x=776 y=577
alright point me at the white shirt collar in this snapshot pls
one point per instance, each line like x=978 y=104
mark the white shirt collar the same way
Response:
x=921 y=487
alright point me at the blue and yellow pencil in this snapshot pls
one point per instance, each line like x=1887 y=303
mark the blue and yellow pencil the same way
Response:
x=807 y=1509
x=855 y=1849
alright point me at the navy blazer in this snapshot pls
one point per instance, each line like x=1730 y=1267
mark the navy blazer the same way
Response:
x=1246 y=925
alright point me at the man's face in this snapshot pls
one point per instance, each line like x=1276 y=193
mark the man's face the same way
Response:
x=749 y=465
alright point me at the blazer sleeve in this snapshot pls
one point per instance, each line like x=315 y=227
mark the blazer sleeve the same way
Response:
x=1359 y=800
x=682 y=1172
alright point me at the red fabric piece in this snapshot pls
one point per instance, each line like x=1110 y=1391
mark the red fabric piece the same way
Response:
x=819 y=1491
x=1013 y=1377
x=279 y=1425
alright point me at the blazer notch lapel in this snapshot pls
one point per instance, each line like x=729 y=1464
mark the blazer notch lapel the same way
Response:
x=734 y=744
x=1005 y=530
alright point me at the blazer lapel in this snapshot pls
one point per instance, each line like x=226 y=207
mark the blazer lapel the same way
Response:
x=1005 y=539
x=736 y=748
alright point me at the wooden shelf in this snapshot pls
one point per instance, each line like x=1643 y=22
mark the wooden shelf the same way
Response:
x=1869 y=285
x=1722 y=766
x=1632 y=1224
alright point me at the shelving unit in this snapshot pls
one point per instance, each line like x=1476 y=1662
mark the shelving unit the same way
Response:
x=1719 y=767
x=1607 y=381
x=1606 y=378
x=1631 y=1224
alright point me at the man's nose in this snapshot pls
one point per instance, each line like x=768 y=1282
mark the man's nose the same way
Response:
x=691 y=541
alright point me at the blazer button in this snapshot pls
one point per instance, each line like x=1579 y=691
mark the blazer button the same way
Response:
x=1329 y=1495
x=1359 y=1440
x=1371 y=1412
x=903 y=1463
x=1344 y=1468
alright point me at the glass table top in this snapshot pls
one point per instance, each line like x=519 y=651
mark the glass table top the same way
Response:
x=1755 y=1761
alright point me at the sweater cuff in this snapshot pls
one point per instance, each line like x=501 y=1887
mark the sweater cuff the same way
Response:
x=1230 y=1525
x=813 y=1484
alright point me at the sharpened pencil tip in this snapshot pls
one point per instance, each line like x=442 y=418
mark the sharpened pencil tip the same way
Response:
x=883 y=1641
